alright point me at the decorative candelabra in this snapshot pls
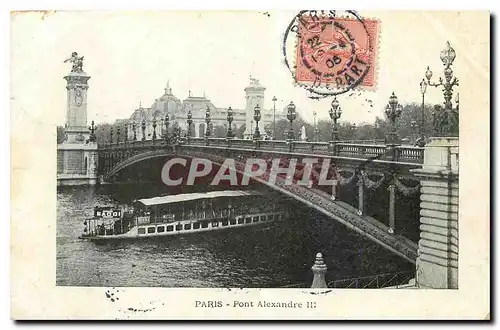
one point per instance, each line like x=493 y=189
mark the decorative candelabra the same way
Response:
x=189 y=122
x=167 y=124
x=274 y=117
x=162 y=122
x=315 y=127
x=256 y=117
x=230 y=119
x=207 y=120
x=143 y=127
x=445 y=119
x=423 y=89
x=291 y=115
x=154 y=127
x=92 y=137
x=335 y=114
x=414 y=125
x=393 y=111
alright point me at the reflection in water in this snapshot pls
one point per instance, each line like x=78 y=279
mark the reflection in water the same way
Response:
x=244 y=257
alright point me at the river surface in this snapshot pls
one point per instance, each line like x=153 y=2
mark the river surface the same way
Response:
x=244 y=257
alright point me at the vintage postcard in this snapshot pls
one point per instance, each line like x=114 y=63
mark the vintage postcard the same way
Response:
x=250 y=165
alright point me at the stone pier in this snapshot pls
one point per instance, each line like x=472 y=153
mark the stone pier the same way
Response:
x=437 y=261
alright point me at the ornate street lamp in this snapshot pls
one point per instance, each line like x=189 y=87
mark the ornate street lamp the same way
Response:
x=446 y=119
x=167 y=124
x=256 y=117
x=274 y=117
x=92 y=137
x=207 y=120
x=393 y=111
x=423 y=89
x=315 y=131
x=189 y=122
x=335 y=114
x=126 y=132
x=111 y=135
x=291 y=115
x=414 y=126
x=118 y=134
x=133 y=128
x=162 y=122
x=143 y=127
x=154 y=127
x=230 y=119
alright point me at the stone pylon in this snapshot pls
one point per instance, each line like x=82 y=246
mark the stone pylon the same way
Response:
x=76 y=107
x=437 y=261
x=77 y=155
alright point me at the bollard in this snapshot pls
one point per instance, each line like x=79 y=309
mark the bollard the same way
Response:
x=319 y=270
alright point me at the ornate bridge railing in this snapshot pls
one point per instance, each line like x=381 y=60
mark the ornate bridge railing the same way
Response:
x=401 y=153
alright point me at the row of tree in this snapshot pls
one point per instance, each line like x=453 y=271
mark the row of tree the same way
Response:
x=407 y=126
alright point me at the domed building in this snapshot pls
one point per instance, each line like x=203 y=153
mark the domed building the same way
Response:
x=178 y=111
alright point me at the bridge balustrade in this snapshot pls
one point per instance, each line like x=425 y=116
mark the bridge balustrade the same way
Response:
x=408 y=154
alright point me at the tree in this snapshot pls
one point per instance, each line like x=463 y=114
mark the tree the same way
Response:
x=102 y=133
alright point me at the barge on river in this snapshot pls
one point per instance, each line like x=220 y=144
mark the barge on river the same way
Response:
x=182 y=214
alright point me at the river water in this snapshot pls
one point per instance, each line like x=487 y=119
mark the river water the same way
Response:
x=245 y=257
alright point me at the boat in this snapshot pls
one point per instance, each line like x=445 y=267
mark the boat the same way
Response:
x=182 y=214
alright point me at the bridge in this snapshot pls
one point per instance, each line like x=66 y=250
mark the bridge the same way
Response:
x=424 y=179
x=366 y=166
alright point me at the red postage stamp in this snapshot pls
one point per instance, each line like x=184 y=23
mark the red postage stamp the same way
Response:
x=336 y=51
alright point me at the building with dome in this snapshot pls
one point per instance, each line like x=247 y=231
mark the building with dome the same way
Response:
x=178 y=113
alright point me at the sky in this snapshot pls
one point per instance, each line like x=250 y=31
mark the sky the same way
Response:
x=130 y=56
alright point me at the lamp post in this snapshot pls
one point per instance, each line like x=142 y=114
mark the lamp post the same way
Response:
x=111 y=135
x=154 y=128
x=230 y=119
x=393 y=111
x=92 y=137
x=134 y=130
x=315 y=129
x=126 y=133
x=414 y=125
x=189 y=122
x=423 y=88
x=207 y=120
x=335 y=114
x=256 y=117
x=167 y=124
x=143 y=127
x=162 y=122
x=274 y=117
x=291 y=115
x=446 y=119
